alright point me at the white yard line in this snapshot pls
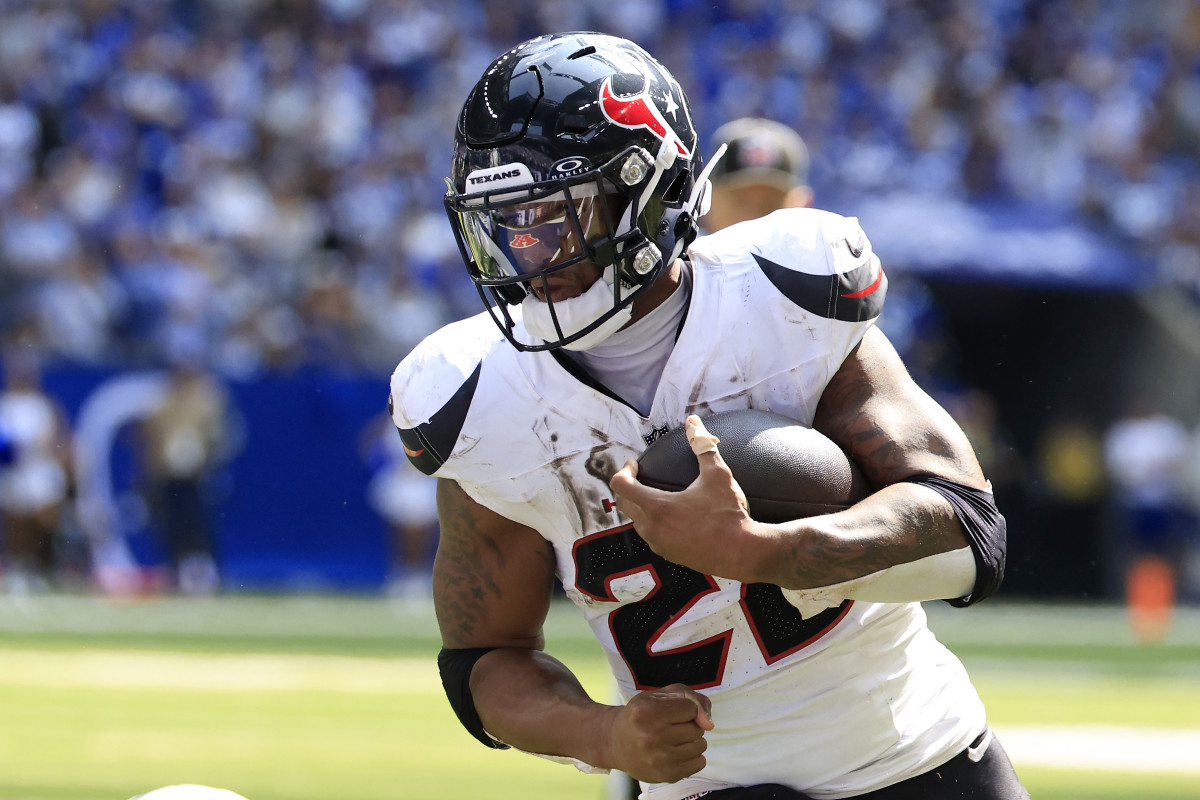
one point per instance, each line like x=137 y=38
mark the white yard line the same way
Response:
x=1103 y=748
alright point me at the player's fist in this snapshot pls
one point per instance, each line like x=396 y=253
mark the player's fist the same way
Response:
x=658 y=736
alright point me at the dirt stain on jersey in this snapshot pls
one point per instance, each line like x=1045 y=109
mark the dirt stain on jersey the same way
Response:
x=742 y=399
x=601 y=463
x=585 y=478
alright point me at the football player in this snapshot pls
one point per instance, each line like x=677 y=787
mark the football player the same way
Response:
x=755 y=660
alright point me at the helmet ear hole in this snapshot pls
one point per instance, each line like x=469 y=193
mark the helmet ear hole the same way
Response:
x=678 y=188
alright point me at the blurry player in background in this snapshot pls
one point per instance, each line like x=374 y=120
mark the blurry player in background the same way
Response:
x=765 y=168
x=185 y=442
x=35 y=469
x=1145 y=454
x=754 y=660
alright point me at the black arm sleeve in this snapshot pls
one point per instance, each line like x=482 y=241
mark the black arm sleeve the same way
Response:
x=985 y=529
x=455 y=667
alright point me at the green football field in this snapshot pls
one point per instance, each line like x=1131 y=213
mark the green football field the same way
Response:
x=310 y=698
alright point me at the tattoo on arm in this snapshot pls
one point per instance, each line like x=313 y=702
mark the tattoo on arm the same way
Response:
x=472 y=562
x=458 y=567
x=904 y=525
x=890 y=426
x=847 y=422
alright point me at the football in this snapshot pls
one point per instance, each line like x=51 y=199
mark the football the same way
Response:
x=787 y=471
x=188 y=791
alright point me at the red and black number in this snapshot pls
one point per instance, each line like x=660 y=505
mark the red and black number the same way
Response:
x=637 y=627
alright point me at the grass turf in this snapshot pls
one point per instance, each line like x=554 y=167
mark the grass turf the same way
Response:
x=293 y=698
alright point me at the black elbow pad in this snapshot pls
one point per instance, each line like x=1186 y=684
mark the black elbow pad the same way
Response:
x=985 y=529
x=455 y=668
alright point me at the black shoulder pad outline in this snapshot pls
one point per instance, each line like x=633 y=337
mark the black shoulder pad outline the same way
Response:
x=852 y=296
x=429 y=444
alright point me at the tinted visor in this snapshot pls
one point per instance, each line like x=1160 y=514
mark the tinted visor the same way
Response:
x=526 y=234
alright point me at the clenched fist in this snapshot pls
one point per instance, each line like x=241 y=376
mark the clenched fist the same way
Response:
x=658 y=737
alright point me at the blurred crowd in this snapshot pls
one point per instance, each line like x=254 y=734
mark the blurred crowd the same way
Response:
x=257 y=183
x=254 y=186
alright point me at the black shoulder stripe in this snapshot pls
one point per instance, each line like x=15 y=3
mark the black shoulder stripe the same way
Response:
x=429 y=444
x=851 y=296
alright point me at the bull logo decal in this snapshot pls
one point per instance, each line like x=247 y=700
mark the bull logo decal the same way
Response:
x=638 y=111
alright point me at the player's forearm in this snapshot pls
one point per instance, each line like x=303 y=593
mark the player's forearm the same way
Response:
x=899 y=524
x=533 y=702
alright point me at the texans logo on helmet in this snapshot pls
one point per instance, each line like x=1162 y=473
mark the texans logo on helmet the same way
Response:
x=523 y=240
x=638 y=111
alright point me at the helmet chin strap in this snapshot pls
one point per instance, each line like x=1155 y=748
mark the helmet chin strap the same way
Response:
x=663 y=161
x=575 y=314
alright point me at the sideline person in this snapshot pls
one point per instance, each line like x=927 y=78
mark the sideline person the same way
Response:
x=764 y=169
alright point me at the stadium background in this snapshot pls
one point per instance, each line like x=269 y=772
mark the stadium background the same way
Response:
x=257 y=185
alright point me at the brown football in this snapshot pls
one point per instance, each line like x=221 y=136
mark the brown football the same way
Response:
x=788 y=471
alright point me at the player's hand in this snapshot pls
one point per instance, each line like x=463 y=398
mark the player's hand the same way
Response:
x=658 y=737
x=707 y=526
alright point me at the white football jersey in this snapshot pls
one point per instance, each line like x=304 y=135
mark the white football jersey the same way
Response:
x=847 y=701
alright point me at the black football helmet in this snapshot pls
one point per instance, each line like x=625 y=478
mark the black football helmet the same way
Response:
x=572 y=147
